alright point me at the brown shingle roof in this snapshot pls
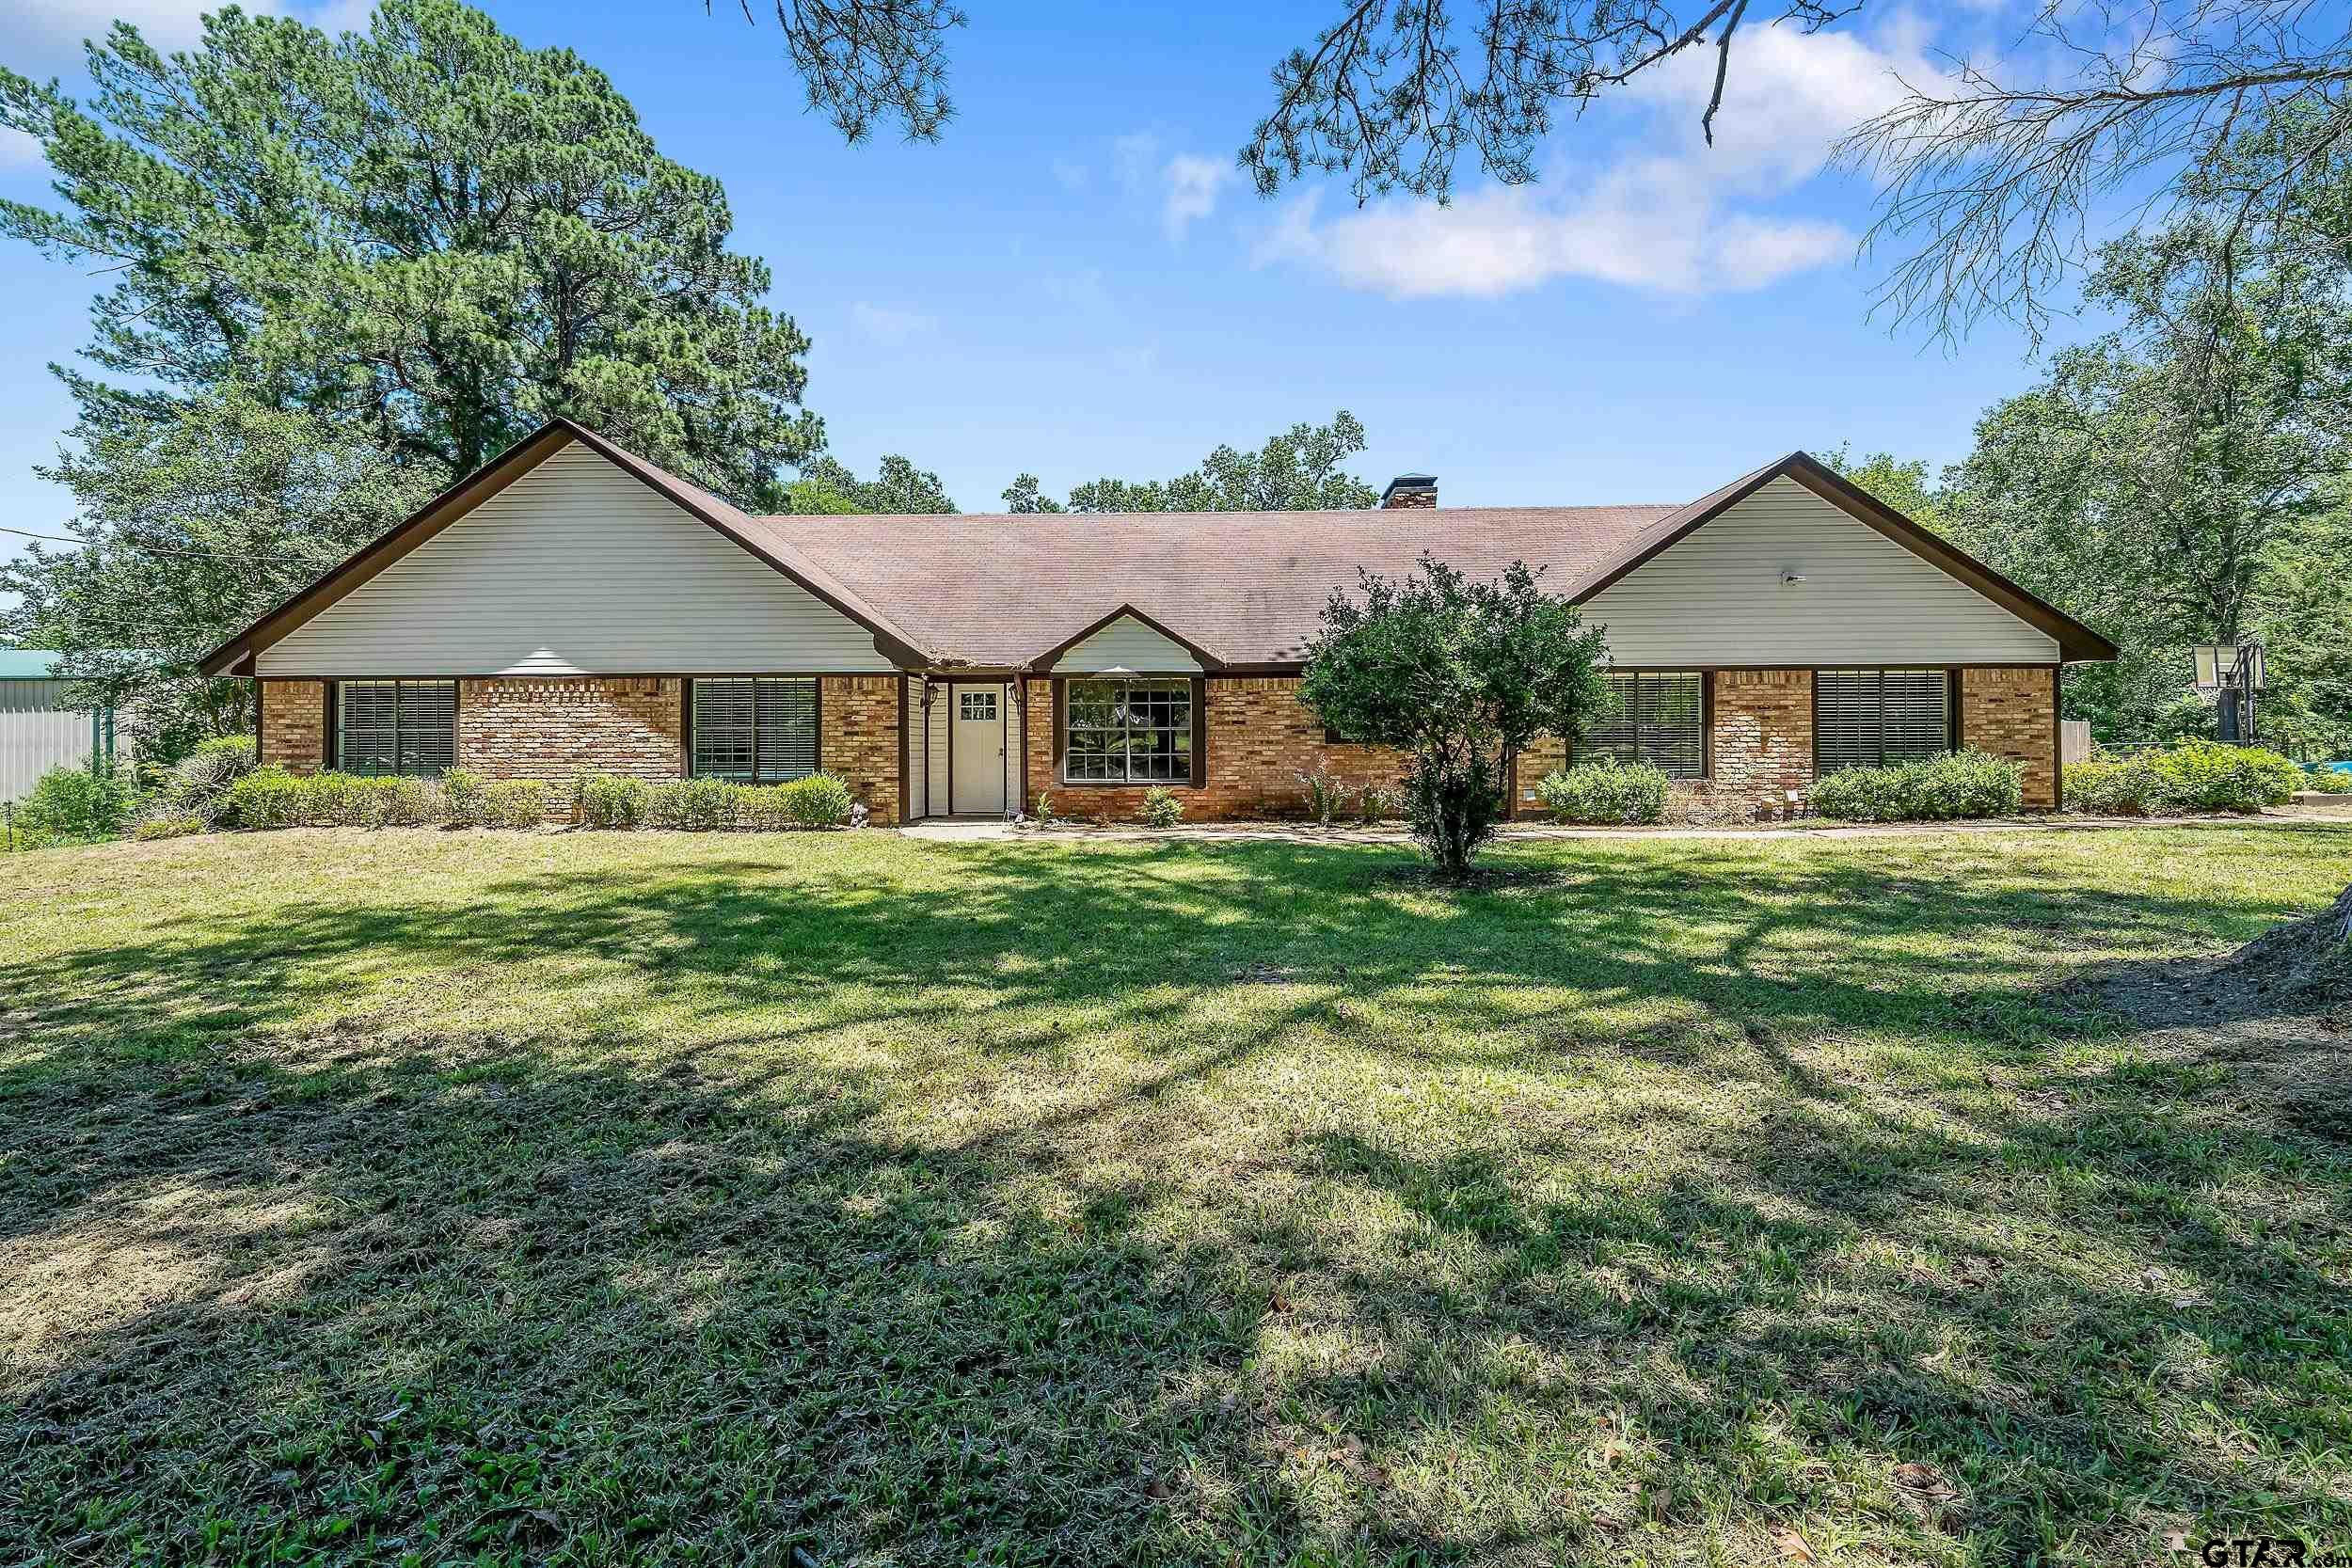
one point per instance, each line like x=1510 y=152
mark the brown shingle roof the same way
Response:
x=1246 y=589
x=1248 y=586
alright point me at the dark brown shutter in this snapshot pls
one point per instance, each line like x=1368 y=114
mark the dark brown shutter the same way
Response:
x=1707 y=723
x=1199 y=731
x=1061 y=726
x=328 y=738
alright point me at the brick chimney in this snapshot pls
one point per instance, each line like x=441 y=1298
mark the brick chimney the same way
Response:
x=1409 y=490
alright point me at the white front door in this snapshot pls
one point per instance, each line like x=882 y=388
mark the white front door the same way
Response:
x=976 y=749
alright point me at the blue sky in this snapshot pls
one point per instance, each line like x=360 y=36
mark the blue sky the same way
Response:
x=1075 y=281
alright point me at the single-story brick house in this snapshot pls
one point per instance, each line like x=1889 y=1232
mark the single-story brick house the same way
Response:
x=572 y=605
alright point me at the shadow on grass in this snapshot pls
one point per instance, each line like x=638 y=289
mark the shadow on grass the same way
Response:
x=968 y=1215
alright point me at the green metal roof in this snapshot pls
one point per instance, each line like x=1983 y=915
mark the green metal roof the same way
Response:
x=26 y=664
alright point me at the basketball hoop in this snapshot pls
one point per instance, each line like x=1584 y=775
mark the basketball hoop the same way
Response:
x=2231 y=674
x=2216 y=666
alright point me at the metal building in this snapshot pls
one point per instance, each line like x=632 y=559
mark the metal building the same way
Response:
x=38 y=728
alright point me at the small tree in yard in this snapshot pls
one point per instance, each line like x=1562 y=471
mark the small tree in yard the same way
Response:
x=1464 y=675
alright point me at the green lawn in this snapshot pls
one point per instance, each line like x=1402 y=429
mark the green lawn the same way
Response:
x=433 y=1197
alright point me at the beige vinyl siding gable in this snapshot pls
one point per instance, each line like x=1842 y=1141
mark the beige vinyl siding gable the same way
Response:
x=1127 y=644
x=576 y=568
x=1717 y=598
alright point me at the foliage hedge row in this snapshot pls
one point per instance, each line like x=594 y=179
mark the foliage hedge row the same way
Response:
x=1605 y=790
x=1941 y=789
x=705 y=805
x=273 y=797
x=2194 y=776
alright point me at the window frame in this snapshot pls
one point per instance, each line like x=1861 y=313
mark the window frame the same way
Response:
x=1197 y=696
x=339 y=739
x=816 y=726
x=1951 y=675
x=1705 y=678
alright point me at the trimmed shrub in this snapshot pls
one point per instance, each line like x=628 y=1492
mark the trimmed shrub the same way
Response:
x=1857 y=795
x=1161 y=809
x=515 y=803
x=167 y=824
x=78 y=802
x=698 y=805
x=1942 y=789
x=466 y=797
x=820 y=801
x=263 y=798
x=348 y=801
x=2116 y=787
x=602 y=801
x=1605 y=790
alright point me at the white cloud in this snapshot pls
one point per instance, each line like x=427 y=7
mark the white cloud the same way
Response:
x=51 y=28
x=1193 y=185
x=1669 y=214
x=1071 y=175
x=54 y=30
x=887 y=324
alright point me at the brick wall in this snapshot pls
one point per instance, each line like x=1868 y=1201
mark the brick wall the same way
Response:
x=860 y=740
x=294 y=725
x=550 y=728
x=1763 y=738
x=2013 y=713
x=1261 y=738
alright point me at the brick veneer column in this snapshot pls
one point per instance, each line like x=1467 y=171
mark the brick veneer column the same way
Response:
x=1261 y=738
x=860 y=741
x=550 y=728
x=1763 y=737
x=294 y=725
x=2013 y=713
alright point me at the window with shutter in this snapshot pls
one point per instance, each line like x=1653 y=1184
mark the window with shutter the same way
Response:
x=1871 y=718
x=1653 y=716
x=387 y=727
x=753 y=730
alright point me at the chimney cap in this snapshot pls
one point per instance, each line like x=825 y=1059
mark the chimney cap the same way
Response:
x=1408 y=483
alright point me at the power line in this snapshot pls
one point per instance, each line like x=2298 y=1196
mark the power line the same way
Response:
x=86 y=544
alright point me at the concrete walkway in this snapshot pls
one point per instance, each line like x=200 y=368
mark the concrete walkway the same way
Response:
x=969 y=831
